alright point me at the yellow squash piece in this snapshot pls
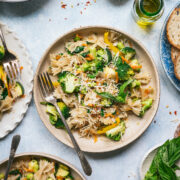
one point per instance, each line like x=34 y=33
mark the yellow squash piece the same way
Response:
x=3 y=76
x=112 y=47
x=107 y=128
x=116 y=50
x=55 y=83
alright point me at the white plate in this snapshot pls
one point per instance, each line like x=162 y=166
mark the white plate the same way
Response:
x=147 y=160
x=11 y=119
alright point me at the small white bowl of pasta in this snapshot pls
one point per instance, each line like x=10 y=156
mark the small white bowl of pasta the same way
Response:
x=40 y=166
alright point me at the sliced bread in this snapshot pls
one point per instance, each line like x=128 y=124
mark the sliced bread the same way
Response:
x=173 y=28
x=174 y=53
x=177 y=66
x=177 y=132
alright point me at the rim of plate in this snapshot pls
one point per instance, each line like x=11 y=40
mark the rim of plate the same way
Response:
x=132 y=139
x=28 y=93
x=145 y=156
x=41 y=154
x=161 y=37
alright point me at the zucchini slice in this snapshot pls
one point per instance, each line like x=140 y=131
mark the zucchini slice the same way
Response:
x=19 y=89
x=62 y=172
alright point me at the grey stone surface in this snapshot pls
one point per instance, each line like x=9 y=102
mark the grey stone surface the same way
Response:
x=38 y=23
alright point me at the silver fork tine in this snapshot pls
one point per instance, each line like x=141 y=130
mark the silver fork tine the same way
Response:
x=44 y=84
x=18 y=69
x=50 y=82
x=15 y=68
x=11 y=70
x=41 y=86
x=6 y=68
x=13 y=64
x=47 y=83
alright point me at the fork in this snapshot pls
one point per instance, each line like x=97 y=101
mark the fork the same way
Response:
x=10 y=62
x=47 y=90
x=14 y=145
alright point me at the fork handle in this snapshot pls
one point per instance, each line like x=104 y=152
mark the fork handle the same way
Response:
x=14 y=146
x=85 y=165
x=3 y=40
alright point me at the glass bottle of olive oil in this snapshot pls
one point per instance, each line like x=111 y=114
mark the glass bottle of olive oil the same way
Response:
x=146 y=12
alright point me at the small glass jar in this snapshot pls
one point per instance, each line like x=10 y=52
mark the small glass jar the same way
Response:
x=146 y=12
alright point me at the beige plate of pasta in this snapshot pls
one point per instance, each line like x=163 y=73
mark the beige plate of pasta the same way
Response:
x=106 y=85
x=40 y=166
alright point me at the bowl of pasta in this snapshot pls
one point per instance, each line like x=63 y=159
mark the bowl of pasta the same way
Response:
x=39 y=166
x=106 y=85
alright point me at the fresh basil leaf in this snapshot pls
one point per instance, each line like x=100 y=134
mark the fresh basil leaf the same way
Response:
x=78 y=49
x=166 y=172
x=163 y=166
x=85 y=54
x=109 y=55
x=15 y=172
x=102 y=112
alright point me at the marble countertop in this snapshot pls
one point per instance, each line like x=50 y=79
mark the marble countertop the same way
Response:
x=38 y=23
